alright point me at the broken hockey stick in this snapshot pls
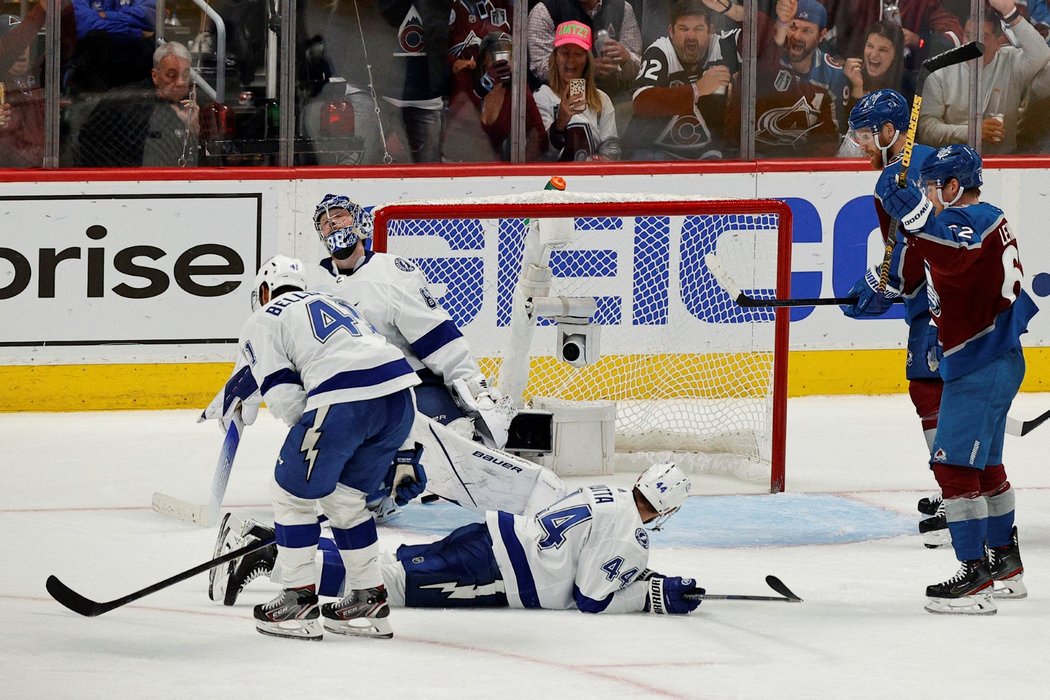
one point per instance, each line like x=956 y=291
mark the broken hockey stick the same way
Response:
x=786 y=596
x=951 y=57
x=206 y=515
x=90 y=608
x=723 y=278
x=1020 y=428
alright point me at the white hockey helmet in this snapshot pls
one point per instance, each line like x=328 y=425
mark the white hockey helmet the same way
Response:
x=666 y=487
x=277 y=272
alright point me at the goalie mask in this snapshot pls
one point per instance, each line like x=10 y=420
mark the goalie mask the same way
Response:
x=277 y=273
x=666 y=487
x=341 y=224
x=955 y=161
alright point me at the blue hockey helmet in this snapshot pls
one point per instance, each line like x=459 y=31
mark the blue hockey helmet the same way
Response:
x=878 y=107
x=957 y=161
x=357 y=227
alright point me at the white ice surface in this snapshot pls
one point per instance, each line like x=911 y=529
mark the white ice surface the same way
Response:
x=75 y=491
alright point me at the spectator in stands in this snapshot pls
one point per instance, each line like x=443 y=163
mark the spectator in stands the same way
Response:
x=881 y=65
x=155 y=127
x=581 y=124
x=725 y=15
x=114 y=43
x=928 y=26
x=681 y=92
x=22 y=106
x=479 y=118
x=801 y=91
x=1007 y=73
x=616 y=41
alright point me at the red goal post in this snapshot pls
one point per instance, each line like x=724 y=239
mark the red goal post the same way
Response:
x=695 y=378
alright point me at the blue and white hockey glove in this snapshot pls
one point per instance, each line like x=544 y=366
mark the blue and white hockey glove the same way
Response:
x=909 y=205
x=406 y=476
x=870 y=302
x=239 y=395
x=667 y=595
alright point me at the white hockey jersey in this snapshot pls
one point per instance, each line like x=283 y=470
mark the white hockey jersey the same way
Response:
x=305 y=350
x=393 y=294
x=584 y=551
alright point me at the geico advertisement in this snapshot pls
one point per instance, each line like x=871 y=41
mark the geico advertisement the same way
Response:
x=82 y=270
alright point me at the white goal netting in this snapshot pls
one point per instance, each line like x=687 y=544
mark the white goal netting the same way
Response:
x=694 y=377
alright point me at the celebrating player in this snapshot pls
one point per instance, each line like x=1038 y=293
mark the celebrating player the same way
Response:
x=587 y=551
x=980 y=308
x=877 y=125
x=392 y=293
x=346 y=395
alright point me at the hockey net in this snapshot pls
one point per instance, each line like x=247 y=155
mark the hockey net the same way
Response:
x=695 y=378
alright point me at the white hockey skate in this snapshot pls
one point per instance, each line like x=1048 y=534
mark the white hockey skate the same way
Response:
x=363 y=613
x=226 y=582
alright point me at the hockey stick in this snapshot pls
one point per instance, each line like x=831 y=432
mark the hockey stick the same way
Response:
x=951 y=57
x=723 y=278
x=89 y=608
x=786 y=596
x=1021 y=428
x=206 y=515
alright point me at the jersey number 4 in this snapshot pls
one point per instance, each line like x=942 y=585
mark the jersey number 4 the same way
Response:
x=557 y=523
x=326 y=319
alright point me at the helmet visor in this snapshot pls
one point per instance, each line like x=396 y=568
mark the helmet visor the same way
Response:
x=863 y=137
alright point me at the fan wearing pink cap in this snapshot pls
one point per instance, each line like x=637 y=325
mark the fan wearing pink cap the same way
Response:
x=580 y=119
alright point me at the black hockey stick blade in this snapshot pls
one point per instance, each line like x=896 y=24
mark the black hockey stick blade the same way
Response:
x=778 y=586
x=755 y=303
x=1021 y=428
x=90 y=608
x=959 y=54
x=786 y=596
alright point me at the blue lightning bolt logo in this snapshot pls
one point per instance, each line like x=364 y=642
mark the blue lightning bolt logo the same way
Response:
x=309 y=446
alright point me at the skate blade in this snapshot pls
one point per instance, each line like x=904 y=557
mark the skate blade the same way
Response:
x=936 y=538
x=306 y=630
x=976 y=604
x=1010 y=590
x=360 y=627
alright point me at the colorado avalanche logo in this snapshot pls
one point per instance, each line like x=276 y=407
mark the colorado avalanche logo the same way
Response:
x=410 y=36
x=940 y=456
x=642 y=536
x=787 y=125
x=404 y=265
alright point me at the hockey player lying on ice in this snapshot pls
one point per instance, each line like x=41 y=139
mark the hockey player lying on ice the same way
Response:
x=587 y=551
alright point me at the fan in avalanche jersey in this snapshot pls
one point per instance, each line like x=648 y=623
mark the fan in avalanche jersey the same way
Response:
x=470 y=22
x=393 y=294
x=974 y=278
x=587 y=551
x=878 y=125
x=680 y=91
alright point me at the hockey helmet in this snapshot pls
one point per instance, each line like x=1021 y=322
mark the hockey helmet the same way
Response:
x=875 y=109
x=341 y=242
x=666 y=487
x=958 y=161
x=278 y=272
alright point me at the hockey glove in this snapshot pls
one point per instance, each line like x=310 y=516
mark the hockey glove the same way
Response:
x=909 y=205
x=870 y=301
x=407 y=477
x=667 y=595
x=240 y=395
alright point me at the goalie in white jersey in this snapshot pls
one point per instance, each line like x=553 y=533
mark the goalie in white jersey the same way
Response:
x=393 y=294
x=346 y=395
x=588 y=551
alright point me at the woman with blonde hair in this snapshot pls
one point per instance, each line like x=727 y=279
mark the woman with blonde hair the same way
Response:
x=581 y=123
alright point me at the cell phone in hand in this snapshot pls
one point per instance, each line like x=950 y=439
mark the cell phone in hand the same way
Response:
x=577 y=87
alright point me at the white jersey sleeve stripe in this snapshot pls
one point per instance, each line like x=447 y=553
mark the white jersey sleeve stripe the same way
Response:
x=518 y=561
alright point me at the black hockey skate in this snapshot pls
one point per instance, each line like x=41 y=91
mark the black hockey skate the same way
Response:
x=968 y=592
x=934 y=530
x=363 y=613
x=226 y=582
x=293 y=614
x=928 y=505
x=1007 y=570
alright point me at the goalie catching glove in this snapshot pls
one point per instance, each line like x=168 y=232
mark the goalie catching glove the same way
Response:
x=870 y=301
x=666 y=595
x=491 y=411
x=240 y=395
